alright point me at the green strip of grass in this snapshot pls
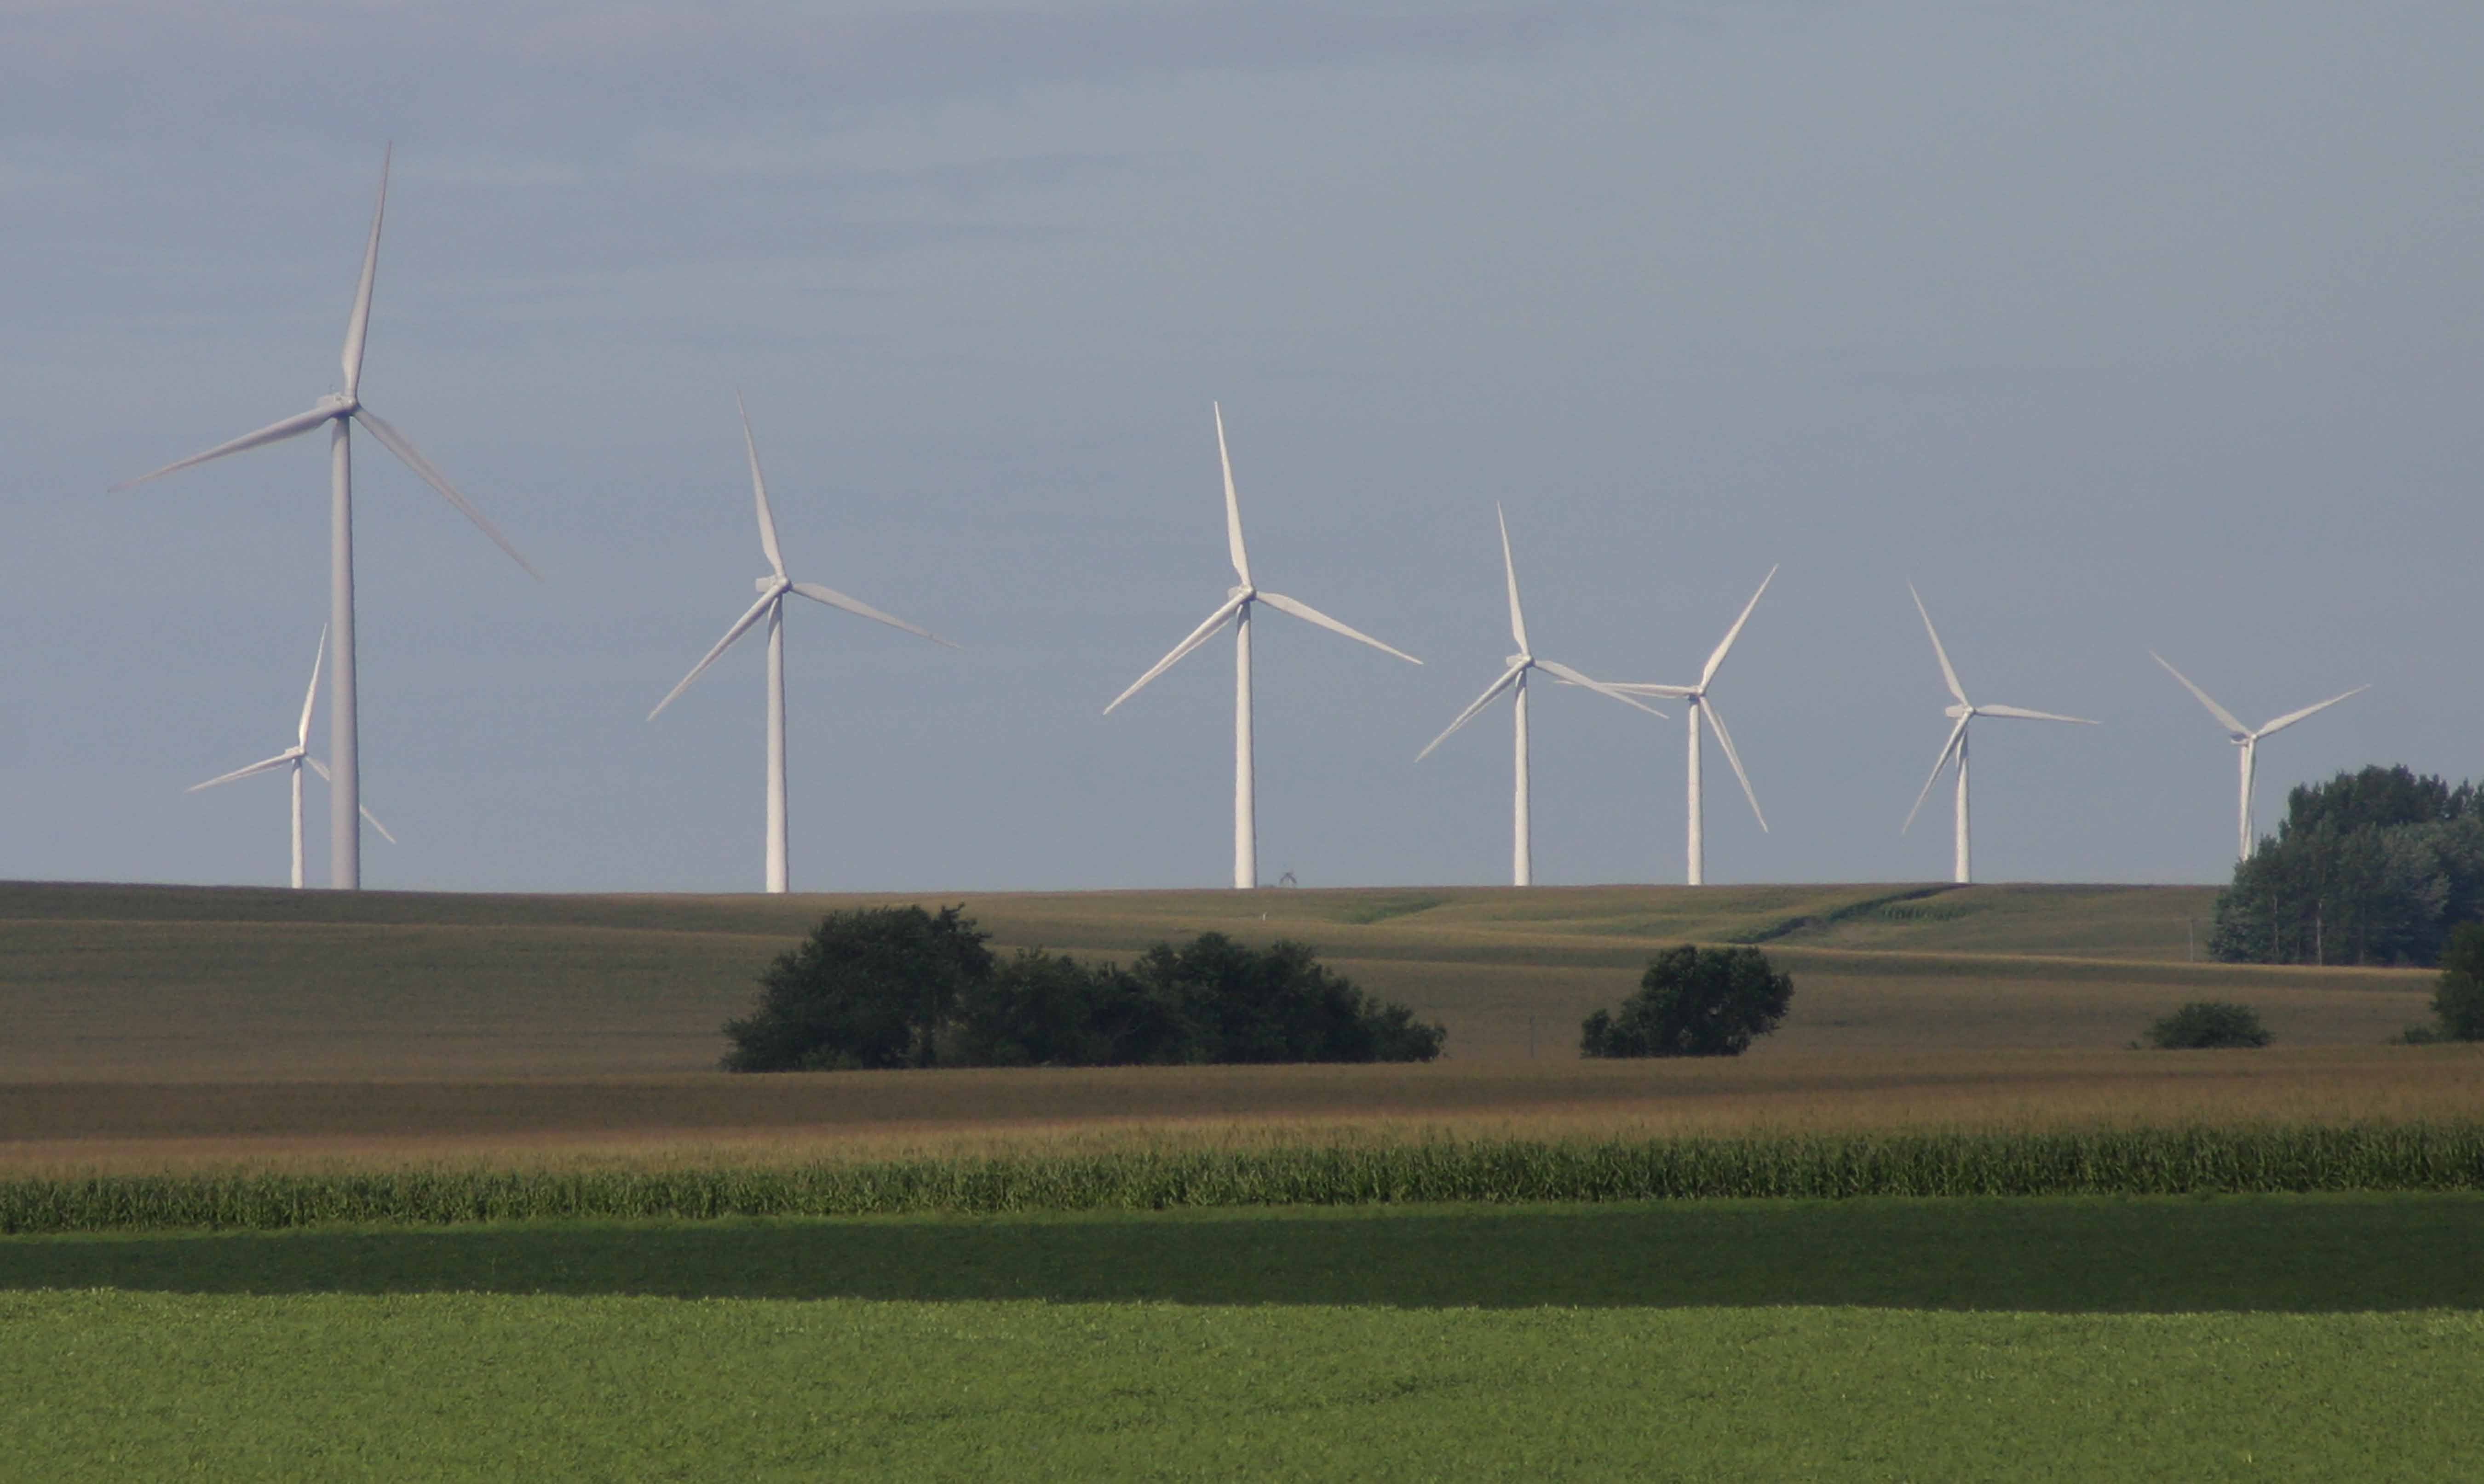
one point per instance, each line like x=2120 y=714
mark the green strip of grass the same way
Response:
x=2298 y=1337
x=2130 y=1162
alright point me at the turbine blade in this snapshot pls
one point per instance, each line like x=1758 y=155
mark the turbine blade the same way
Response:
x=837 y=600
x=259 y=766
x=394 y=442
x=1725 y=739
x=759 y=488
x=1197 y=637
x=741 y=626
x=1508 y=678
x=302 y=732
x=2227 y=718
x=358 y=326
x=321 y=769
x=1312 y=615
x=275 y=432
x=1561 y=671
x=1938 y=762
x=1232 y=505
x=1947 y=672
x=1735 y=631
x=1509 y=565
x=2024 y=714
x=2293 y=716
x=1643 y=688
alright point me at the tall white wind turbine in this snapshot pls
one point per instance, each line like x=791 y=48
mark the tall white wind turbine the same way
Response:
x=338 y=412
x=292 y=759
x=2248 y=740
x=1236 y=610
x=773 y=589
x=1522 y=852
x=1964 y=711
x=1696 y=696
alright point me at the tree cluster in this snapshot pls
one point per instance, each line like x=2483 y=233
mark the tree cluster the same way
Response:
x=899 y=987
x=2374 y=867
x=1694 y=1002
x=2206 y=1025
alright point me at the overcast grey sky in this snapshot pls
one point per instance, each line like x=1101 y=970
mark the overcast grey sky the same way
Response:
x=2112 y=326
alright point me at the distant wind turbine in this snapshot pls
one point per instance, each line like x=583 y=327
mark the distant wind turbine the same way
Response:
x=292 y=759
x=772 y=590
x=1522 y=854
x=1236 y=610
x=1697 y=698
x=338 y=412
x=2247 y=739
x=1965 y=711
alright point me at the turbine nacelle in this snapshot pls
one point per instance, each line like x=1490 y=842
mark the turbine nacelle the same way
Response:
x=772 y=584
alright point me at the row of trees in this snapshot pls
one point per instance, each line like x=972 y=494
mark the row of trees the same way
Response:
x=2375 y=867
x=899 y=987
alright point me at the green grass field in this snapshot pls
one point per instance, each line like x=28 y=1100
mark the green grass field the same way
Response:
x=2315 y=1337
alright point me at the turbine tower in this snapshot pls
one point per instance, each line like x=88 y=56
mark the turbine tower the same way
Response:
x=2247 y=739
x=1236 y=609
x=1965 y=711
x=1696 y=696
x=772 y=590
x=1522 y=854
x=292 y=759
x=338 y=412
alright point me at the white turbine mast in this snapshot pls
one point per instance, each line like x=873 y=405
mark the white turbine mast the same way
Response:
x=1236 y=610
x=1522 y=854
x=2248 y=740
x=338 y=412
x=773 y=588
x=1699 y=705
x=292 y=759
x=1964 y=711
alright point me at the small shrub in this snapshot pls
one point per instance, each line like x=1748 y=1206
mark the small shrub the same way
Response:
x=2458 y=1004
x=1694 y=1002
x=2204 y=1024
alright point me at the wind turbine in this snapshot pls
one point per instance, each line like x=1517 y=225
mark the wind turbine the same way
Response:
x=1697 y=698
x=1522 y=858
x=772 y=591
x=338 y=412
x=2248 y=740
x=292 y=759
x=1236 y=610
x=1965 y=711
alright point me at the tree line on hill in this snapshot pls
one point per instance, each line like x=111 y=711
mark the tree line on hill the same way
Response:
x=894 y=986
x=898 y=987
x=2377 y=867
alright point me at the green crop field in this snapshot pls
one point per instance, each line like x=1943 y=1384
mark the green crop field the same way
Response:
x=2310 y=1337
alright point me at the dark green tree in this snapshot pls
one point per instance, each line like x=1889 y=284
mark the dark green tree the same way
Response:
x=1694 y=1002
x=2371 y=867
x=1236 y=1003
x=2458 y=1003
x=2206 y=1025
x=1041 y=1010
x=868 y=989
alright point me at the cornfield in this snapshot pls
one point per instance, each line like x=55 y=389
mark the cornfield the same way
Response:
x=2429 y=1157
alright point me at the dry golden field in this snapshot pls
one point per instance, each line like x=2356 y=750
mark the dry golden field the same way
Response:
x=153 y=1026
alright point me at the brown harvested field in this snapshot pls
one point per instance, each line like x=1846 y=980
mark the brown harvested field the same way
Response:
x=89 y=1125
x=154 y=1024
